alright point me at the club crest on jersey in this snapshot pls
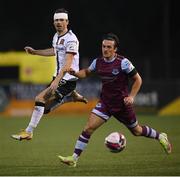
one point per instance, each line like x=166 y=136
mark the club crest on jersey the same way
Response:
x=62 y=41
x=115 y=71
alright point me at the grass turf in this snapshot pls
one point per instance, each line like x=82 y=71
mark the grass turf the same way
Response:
x=53 y=136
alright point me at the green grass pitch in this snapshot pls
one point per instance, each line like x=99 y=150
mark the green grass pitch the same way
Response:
x=57 y=135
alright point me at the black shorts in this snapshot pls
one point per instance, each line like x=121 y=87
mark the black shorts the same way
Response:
x=64 y=88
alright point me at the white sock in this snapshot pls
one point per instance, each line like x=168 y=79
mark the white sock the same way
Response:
x=35 y=118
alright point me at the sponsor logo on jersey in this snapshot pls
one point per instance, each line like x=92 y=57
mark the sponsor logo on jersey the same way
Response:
x=115 y=71
x=60 y=48
x=107 y=77
x=72 y=47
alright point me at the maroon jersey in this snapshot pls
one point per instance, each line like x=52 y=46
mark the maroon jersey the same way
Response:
x=114 y=76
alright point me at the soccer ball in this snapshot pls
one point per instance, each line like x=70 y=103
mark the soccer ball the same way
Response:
x=115 y=142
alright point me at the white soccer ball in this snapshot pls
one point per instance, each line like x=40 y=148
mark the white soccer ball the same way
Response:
x=115 y=142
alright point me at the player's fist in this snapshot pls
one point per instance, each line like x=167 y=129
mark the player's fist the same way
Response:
x=71 y=71
x=29 y=50
x=128 y=100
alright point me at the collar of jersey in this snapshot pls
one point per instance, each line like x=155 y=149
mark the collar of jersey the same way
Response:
x=63 y=34
x=109 y=61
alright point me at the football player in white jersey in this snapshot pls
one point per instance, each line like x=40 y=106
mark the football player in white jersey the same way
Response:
x=62 y=88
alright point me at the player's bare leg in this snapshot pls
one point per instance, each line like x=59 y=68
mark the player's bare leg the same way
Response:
x=54 y=102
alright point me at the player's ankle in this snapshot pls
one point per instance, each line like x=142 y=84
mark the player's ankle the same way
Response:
x=75 y=156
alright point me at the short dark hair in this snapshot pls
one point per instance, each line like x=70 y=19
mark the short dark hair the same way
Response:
x=112 y=37
x=62 y=10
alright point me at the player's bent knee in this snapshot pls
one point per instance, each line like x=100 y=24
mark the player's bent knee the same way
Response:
x=38 y=99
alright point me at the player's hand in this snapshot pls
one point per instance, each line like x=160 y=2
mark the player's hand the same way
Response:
x=29 y=50
x=129 y=100
x=54 y=86
x=71 y=71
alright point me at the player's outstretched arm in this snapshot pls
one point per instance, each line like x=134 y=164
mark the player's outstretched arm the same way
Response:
x=83 y=73
x=63 y=71
x=43 y=52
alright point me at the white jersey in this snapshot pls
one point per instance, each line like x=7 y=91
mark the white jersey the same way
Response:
x=67 y=43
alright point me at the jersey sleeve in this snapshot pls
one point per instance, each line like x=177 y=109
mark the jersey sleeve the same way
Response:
x=128 y=67
x=92 y=66
x=72 y=45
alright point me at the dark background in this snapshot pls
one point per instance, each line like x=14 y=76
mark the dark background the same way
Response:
x=149 y=30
